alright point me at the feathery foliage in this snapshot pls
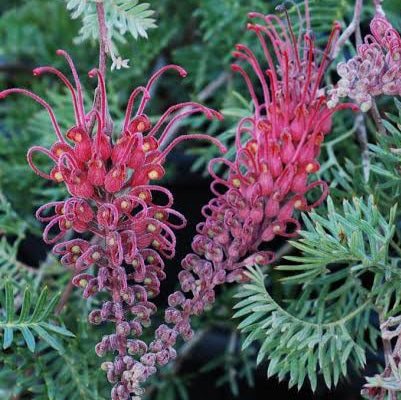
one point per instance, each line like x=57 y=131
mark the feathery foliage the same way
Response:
x=325 y=326
x=122 y=17
x=29 y=319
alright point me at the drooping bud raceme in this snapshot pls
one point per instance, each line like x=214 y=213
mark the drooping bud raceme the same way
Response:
x=277 y=150
x=375 y=70
x=269 y=180
x=112 y=197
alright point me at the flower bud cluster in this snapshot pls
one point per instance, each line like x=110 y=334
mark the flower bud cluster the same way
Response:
x=268 y=182
x=113 y=199
x=375 y=70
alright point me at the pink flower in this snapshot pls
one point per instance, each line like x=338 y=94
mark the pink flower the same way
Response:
x=375 y=70
x=267 y=183
x=112 y=197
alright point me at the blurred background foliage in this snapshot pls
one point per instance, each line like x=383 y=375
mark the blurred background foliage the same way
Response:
x=200 y=36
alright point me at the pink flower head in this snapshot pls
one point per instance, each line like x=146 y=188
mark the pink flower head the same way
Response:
x=112 y=196
x=277 y=150
x=375 y=70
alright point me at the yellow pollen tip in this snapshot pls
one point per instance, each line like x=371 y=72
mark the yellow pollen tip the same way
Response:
x=68 y=224
x=156 y=243
x=298 y=204
x=111 y=242
x=135 y=263
x=276 y=228
x=141 y=127
x=83 y=283
x=76 y=249
x=310 y=168
x=146 y=147
x=236 y=182
x=124 y=204
x=150 y=259
x=96 y=255
x=58 y=177
x=78 y=137
x=59 y=152
x=151 y=228
x=142 y=195
x=253 y=147
x=153 y=174
x=159 y=216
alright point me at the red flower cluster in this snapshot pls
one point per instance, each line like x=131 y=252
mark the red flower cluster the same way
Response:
x=268 y=182
x=112 y=198
x=277 y=150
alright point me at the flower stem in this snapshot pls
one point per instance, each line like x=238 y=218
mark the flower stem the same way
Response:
x=102 y=37
x=377 y=119
x=103 y=50
x=350 y=29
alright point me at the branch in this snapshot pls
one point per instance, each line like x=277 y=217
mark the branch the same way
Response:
x=362 y=137
x=379 y=8
x=103 y=50
x=102 y=38
x=350 y=29
x=377 y=118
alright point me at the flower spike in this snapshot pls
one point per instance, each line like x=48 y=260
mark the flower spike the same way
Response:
x=265 y=186
x=112 y=198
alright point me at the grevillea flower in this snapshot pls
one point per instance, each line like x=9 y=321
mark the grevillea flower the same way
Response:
x=112 y=198
x=375 y=70
x=267 y=183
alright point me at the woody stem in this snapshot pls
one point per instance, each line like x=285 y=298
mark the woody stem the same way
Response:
x=350 y=29
x=103 y=49
x=102 y=37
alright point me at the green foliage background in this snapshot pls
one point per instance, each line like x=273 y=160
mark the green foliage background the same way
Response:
x=199 y=35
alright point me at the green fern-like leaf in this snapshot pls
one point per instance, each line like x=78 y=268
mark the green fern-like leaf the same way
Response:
x=10 y=222
x=10 y=267
x=387 y=153
x=359 y=236
x=296 y=346
x=67 y=375
x=31 y=320
x=122 y=16
x=325 y=326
